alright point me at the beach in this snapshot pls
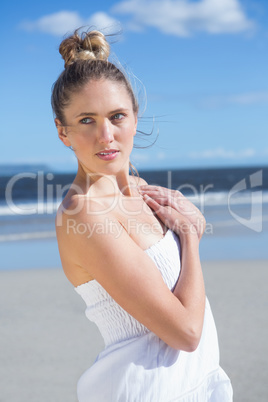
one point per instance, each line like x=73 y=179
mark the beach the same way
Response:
x=47 y=342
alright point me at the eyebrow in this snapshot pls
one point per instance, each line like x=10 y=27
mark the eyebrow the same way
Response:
x=95 y=114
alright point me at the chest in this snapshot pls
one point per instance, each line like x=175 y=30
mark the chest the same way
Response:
x=139 y=221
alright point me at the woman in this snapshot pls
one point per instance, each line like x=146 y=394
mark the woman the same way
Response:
x=130 y=249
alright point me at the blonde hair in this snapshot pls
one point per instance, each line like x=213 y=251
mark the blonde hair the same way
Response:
x=89 y=46
x=86 y=58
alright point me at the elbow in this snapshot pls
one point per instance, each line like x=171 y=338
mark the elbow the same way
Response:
x=188 y=342
x=192 y=345
x=193 y=337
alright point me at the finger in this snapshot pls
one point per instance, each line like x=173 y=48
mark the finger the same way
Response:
x=164 y=197
x=173 y=198
x=164 y=200
x=188 y=209
x=158 y=189
x=155 y=191
x=147 y=187
x=152 y=203
x=164 y=213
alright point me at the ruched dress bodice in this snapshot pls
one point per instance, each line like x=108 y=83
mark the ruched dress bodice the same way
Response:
x=137 y=366
x=114 y=323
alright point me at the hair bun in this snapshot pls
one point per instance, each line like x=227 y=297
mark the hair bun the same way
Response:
x=90 y=45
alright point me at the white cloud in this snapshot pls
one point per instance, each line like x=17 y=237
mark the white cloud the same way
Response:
x=102 y=21
x=176 y=17
x=221 y=153
x=55 y=24
x=248 y=98
x=64 y=21
x=184 y=17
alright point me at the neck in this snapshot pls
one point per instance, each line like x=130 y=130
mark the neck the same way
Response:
x=101 y=185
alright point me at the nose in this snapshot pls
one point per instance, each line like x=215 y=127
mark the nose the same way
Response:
x=106 y=132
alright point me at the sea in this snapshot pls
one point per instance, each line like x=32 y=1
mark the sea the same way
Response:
x=234 y=201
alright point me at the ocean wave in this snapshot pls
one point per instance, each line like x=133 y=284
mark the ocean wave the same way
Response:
x=224 y=198
x=27 y=236
x=29 y=208
x=209 y=199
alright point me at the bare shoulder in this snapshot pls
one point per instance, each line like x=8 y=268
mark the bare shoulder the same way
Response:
x=77 y=205
x=75 y=217
x=81 y=223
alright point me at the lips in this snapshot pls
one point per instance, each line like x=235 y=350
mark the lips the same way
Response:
x=108 y=154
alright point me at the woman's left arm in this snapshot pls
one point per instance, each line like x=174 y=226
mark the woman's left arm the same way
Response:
x=181 y=216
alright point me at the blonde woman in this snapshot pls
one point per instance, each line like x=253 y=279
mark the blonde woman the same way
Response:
x=130 y=249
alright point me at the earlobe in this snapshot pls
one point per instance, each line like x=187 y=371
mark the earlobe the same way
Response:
x=62 y=133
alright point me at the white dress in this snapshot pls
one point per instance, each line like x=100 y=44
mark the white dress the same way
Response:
x=136 y=365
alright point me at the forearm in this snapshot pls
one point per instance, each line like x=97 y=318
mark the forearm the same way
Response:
x=190 y=289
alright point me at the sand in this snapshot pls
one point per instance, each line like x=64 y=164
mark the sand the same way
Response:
x=47 y=342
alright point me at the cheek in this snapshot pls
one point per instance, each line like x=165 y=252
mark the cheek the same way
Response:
x=83 y=139
x=128 y=137
x=131 y=130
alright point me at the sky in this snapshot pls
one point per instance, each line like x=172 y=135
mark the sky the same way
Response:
x=201 y=66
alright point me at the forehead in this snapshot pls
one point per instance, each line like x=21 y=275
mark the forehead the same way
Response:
x=101 y=94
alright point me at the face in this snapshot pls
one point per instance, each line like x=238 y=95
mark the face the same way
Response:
x=100 y=127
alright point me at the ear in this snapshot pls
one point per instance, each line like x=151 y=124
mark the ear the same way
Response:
x=62 y=133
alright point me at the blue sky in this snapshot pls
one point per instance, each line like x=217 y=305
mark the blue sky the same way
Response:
x=204 y=65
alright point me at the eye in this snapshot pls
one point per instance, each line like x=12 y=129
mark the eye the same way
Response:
x=86 y=120
x=118 y=116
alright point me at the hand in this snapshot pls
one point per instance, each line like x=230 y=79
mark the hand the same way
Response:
x=174 y=210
